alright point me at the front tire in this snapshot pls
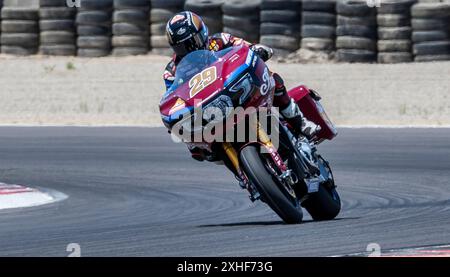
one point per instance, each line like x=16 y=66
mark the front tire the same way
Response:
x=272 y=191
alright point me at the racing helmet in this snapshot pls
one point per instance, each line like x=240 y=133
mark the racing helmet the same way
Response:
x=186 y=32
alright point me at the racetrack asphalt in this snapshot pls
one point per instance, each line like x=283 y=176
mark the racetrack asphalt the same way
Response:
x=133 y=192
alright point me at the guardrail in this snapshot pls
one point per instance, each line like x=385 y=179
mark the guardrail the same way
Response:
x=384 y=31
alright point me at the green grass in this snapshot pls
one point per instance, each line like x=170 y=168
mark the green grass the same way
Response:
x=70 y=66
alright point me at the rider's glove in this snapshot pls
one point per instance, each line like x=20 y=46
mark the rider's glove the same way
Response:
x=264 y=52
x=197 y=154
x=203 y=155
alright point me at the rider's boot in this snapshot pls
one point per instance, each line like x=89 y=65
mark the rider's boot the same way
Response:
x=291 y=112
x=298 y=122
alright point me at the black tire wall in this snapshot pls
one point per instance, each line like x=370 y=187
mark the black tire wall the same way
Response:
x=397 y=31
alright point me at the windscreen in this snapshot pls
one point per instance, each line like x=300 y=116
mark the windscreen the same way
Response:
x=193 y=64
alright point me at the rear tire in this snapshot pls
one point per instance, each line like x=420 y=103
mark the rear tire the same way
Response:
x=271 y=191
x=326 y=203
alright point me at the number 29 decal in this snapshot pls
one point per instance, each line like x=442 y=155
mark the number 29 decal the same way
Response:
x=202 y=80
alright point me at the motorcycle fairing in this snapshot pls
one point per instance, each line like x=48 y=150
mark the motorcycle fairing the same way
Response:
x=314 y=111
x=230 y=67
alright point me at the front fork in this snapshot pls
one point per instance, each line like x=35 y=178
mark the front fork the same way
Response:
x=244 y=182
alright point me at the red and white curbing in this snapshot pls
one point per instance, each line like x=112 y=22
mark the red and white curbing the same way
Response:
x=419 y=252
x=19 y=196
x=429 y=251
x=11 y=189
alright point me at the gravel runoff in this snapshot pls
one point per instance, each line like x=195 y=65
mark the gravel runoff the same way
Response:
x=126 y=91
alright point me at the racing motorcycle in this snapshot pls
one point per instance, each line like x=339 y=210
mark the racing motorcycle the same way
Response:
x=286 y=175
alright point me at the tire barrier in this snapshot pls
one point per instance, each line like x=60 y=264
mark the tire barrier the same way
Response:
x=57 y=28
x=394 y=31
x=130 y=27
x=280 y=25
x=356 y=39
x=20 y=31
x=160 y=13
x=242 y=18
x=430 y=24
x=397 y=31
x=93 y=23
x=318 y=29
x=210 y=11
x=1 y=7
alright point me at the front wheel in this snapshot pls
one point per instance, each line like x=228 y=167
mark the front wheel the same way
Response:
x=272 y=191
x=326 y=203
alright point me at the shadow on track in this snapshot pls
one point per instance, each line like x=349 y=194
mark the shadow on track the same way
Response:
x=269 y=223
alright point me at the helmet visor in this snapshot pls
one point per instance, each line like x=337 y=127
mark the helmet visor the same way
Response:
x=196 y=42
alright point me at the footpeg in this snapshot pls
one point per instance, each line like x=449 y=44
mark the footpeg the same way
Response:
x=289 y=177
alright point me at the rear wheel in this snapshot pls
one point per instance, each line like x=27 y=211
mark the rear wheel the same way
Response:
x=326 y=203
x=273 y=192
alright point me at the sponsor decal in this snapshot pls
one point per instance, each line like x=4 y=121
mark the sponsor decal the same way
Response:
x=189 y=18
x=234 y=58
x=255 y=59
x=213 y=45
x=181 y=31
x=180 y=104
x=249 y=58
x=266 y=85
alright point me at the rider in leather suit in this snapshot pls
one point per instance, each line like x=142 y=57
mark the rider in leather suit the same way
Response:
x=186 y=32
